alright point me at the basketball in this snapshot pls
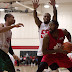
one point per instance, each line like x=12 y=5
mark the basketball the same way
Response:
x=67 y=46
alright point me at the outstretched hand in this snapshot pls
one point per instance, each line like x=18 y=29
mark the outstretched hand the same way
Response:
x=35 y=4
x=52 y=2
x=19 y=25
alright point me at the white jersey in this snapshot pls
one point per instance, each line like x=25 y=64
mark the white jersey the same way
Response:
x=5 y=38
x=42 y=30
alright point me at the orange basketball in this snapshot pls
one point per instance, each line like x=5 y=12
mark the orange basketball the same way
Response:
x=67 y=46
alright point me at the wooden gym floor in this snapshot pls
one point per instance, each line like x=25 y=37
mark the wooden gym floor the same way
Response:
x=33 y=69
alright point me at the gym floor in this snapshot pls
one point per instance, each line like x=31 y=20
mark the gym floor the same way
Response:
x=33 y=69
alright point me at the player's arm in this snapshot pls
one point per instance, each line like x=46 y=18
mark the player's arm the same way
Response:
x=10 y=49
x=46 y=45
x=12 y=53
x=52 y=2
x=67 y=34
x=36 y=5
x=4 y=29
x=37 y=20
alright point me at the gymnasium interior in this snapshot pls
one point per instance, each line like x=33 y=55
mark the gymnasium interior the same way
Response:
x=25 y=40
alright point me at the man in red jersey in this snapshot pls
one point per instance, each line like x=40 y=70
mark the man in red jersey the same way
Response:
x=53 y=54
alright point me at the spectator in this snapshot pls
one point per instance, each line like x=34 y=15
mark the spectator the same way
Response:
x=21 y=59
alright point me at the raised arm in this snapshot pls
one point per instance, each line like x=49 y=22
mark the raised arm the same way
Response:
x=35 y=6
x=4 y=29
x=52 y=2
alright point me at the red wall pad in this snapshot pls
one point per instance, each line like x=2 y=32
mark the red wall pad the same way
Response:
x=25 y=47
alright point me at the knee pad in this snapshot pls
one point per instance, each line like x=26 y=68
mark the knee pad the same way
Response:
x=54 y=66
x=42 y=66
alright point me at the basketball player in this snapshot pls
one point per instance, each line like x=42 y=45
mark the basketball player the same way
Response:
x=5 y=43
x=53 y=54
x=43 y=26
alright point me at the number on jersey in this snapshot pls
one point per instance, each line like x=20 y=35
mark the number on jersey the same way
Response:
x=43 y=33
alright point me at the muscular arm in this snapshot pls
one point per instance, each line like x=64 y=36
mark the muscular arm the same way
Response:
x=67 y=34
x=52 y=2
x=55 y=13
x=4 y=29
x=37 y=21
x=46 y=45
x=35 y=6
x=12 y=53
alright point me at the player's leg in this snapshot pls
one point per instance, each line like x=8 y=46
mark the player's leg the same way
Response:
x=39 y=59
x=1 y=64
x=9 y=65
x=46 y=67
x=5 y=62
x=54 y=67
x=70 y=69
x=65 y=62
x=42 y=66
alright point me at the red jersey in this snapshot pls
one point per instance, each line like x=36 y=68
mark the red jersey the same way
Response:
x=61 y=59
x=53 y=41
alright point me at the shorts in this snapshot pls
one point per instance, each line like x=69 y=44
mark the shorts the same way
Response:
x=62 y=60
x=5 y=62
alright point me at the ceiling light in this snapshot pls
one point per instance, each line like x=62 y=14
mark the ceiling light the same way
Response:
x=1 y=9
x=57 y=5
x=16 y=8
x=46 y=6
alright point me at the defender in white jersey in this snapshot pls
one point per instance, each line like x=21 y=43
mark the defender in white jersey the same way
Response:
x=43 y=26
x=42 y=30
x=5 y=38
x=5 y=43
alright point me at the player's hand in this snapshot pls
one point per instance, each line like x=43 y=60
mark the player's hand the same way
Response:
x=58 y=46
x=63 y=51
x=60 y=50
x=35 y=4
x=16 y=57
x=19 y=25
x=52 y=2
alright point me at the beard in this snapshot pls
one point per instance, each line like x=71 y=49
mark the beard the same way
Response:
x=52 y=31
x=46 y=22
